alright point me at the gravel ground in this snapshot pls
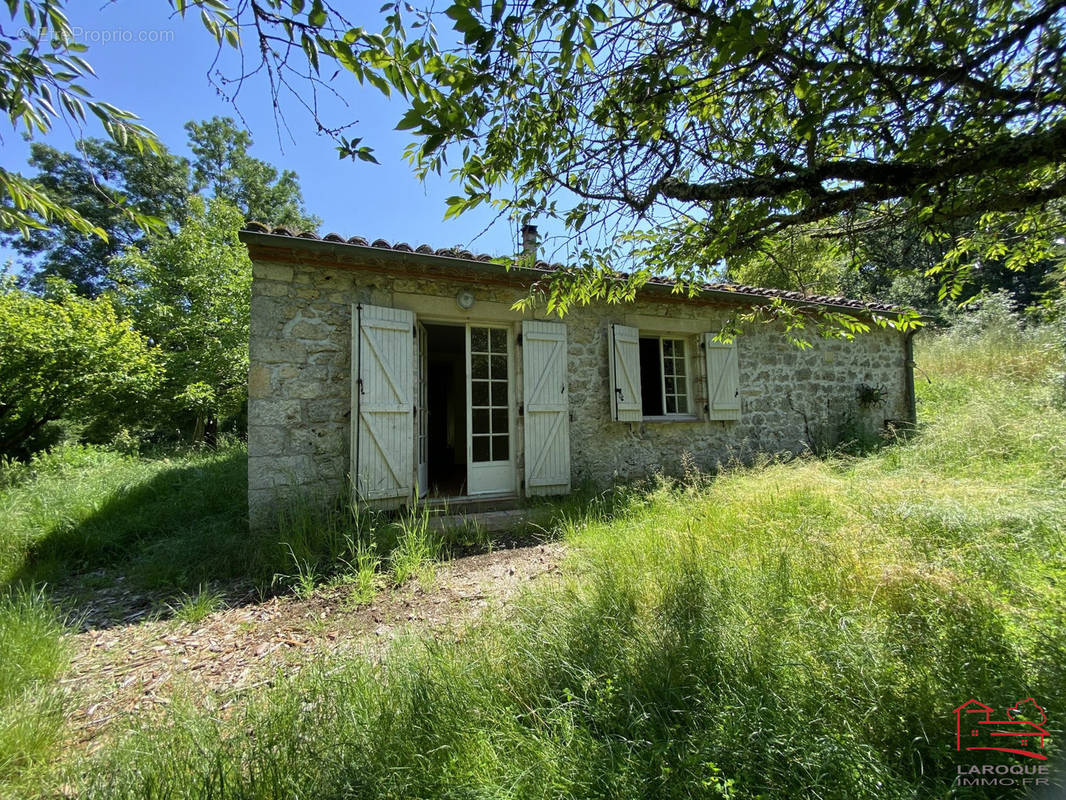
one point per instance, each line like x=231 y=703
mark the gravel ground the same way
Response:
x=127 y=663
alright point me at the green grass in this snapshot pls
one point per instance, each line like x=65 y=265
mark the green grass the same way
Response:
x=33 y=653
x=799 y=629
x=166 y=522
x=193 y=608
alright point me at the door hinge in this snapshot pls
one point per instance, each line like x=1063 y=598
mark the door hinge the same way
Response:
x=521 y=409
x=518 y=340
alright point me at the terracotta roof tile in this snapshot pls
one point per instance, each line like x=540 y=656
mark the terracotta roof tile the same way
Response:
x=465 y=255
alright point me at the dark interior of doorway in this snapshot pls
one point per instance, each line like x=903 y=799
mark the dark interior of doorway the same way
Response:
x=446 y=406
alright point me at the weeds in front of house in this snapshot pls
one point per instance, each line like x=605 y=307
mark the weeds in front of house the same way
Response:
x=417 y=547
x=769 y=633
x=193 y=608
x=348 y=544
x=361 y=575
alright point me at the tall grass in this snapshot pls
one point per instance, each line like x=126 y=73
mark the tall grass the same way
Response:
x=174 y=520
x=349 y=543
x=797 y=630
x=33 y=653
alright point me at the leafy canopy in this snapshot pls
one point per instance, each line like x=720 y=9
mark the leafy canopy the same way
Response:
x=223 y=166
x=189 y=293
x=44 y=73
x=41 y=83
x=668 y=136
x=676 y=134
x=102 y=182
x=62 y=355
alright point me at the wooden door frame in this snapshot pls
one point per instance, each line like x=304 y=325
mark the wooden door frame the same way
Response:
x=466 y=321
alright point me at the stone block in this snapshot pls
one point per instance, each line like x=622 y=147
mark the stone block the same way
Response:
x=264 y=350
x=271 y=289
x=259 y=383
x=266 y=440
x=267 y=270
x=274 y=411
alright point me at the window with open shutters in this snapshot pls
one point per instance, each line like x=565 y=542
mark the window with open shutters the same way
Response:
x=655 y=377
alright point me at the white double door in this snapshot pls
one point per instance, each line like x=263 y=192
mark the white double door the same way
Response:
x=489 y=409
x=390 y=431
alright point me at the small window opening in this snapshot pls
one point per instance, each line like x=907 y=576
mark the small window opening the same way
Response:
x=651 y=377
x=663 y=376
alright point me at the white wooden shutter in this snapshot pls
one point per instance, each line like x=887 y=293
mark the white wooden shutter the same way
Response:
x=723 y=379
x=547 y=408
x=624 y=356
x=383 y=402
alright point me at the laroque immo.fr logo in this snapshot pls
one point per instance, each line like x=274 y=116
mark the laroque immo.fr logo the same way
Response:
x=1022 y=734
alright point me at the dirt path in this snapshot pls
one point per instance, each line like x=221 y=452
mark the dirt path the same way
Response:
x=133 y=668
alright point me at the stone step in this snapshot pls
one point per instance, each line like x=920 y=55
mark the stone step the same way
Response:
x=489 y=521
x=469 y=505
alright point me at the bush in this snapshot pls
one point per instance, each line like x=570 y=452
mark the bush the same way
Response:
x=65 y=356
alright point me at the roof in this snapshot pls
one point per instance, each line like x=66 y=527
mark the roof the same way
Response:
x=258 y=233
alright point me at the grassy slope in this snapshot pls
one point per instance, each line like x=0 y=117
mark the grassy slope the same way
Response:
x=170 y=522
x=802 y=629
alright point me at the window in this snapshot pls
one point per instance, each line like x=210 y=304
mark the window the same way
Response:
x=652 y=376
x=663 y=376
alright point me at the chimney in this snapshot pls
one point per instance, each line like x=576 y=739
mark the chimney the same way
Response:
x=529 y=240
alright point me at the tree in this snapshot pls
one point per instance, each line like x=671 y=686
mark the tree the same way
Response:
x=796 y=261
x=674 y=134
x=42 y=69
x=103 y=182
x=894 y=262
x=62 y=355
x=222 y=165
x=668 y=135
x=189 y=293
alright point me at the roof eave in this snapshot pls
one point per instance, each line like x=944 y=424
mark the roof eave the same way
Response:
x=388 y=256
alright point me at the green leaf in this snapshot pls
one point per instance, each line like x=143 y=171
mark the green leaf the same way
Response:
x=317 y=16
x=310 y=50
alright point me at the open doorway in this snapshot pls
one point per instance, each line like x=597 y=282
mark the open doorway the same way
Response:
x=446 y=406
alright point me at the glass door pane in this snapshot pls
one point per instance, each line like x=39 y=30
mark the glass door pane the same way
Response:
x=491 y=468
x=489 y=375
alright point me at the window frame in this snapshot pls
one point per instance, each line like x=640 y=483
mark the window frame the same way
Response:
x=687 y=359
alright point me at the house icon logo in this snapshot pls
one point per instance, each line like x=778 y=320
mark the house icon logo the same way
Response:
x=976 y=730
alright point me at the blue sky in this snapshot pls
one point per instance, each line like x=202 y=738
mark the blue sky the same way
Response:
x=153 y=63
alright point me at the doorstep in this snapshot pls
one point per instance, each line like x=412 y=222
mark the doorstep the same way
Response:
x=488 y=521
x=469 y=504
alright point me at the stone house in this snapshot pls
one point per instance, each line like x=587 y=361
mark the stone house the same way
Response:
x=397 y=372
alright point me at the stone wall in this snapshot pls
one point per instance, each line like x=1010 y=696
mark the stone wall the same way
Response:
x=299 y=405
